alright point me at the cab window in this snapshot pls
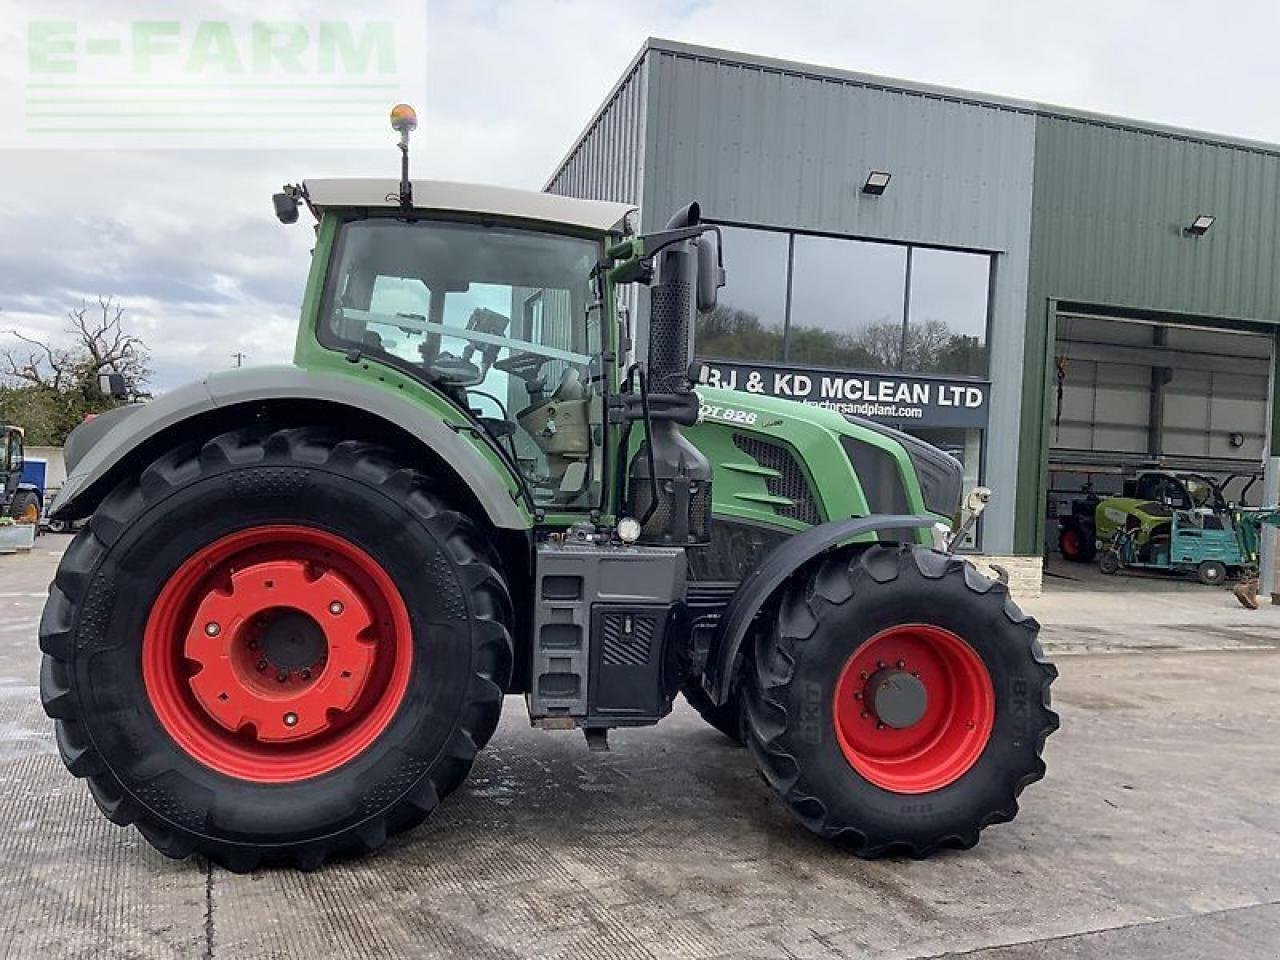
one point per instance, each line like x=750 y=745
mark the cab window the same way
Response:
x=501 y=319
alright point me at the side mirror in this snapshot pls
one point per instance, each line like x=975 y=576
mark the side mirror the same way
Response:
x=286 y=207
x=113 y=386
x=710 y=272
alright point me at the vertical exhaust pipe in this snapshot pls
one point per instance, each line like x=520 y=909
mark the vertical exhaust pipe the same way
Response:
x=669 y=486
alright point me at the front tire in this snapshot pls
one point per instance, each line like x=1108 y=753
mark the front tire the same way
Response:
x=275 y=646
x=899 y=701
x=1212 y=573
x=25 y=507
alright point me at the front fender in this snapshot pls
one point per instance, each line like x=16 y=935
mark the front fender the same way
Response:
x=776 y=567
x=108 y=448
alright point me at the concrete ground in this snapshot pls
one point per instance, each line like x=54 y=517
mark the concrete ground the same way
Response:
x=1156 y=833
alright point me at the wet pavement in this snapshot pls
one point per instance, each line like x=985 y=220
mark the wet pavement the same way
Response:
x=1156 y=833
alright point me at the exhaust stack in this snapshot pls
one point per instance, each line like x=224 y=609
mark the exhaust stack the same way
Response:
x=669 y=488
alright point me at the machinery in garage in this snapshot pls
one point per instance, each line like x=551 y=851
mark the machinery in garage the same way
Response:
x=1145 y=407
x=290 y=622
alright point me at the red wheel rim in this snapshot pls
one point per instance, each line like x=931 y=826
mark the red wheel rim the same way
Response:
x=277 y=653
x=1070 y=543
x=942 y=735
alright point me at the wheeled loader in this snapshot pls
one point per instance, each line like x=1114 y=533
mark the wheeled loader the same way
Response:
x=305 y=591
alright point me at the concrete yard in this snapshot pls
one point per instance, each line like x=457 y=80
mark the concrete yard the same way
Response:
x=1156 y=833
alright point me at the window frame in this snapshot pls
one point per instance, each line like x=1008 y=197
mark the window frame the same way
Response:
x=325 y=336
x=791 y=235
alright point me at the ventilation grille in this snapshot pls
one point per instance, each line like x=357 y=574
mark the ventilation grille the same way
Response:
x=790 y=483
x=628 y=638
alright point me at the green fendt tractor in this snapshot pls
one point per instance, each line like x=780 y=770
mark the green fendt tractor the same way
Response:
x=304 y=591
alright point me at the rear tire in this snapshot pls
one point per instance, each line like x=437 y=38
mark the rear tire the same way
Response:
x=909 y=785
x=726 y=718
x=429 y=648
x=1075 y=544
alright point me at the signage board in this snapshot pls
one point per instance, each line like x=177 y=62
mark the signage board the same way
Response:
x=894 y=398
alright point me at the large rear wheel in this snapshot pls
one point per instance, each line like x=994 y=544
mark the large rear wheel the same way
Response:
x=274 y=646
x=899 y=701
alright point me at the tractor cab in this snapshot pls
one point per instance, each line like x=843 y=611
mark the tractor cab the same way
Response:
x=19 y=500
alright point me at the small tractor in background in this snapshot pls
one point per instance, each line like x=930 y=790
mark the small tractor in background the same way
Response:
x=303 y=591
x=20 y=499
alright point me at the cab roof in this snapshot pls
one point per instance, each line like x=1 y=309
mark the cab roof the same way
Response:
x=440 y=195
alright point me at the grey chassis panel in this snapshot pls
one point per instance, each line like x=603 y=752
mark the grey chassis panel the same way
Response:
x=228 y=389
x=771 y=573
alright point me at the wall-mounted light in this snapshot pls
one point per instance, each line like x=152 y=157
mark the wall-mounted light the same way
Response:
x=877 y=182
x=1236 y=440
x=1200 y=225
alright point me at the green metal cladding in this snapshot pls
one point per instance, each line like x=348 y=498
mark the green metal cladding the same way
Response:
x=1109 y=206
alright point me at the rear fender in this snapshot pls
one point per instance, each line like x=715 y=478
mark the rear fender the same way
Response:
x=103 y=448
x=775 y=569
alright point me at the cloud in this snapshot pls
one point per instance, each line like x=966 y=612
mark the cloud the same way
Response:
x=186 y=240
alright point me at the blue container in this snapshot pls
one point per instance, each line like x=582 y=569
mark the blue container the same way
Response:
x=34 y=473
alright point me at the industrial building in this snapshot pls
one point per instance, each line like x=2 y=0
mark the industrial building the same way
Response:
x=1057 y=297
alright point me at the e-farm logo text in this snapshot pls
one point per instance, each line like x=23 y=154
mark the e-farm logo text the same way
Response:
x=228 y=82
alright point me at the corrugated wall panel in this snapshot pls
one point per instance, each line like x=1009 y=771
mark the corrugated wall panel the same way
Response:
x=607 y=162
x=789 y=149
x=1110 y=206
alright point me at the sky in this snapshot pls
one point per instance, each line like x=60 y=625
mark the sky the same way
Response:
x=185 y=238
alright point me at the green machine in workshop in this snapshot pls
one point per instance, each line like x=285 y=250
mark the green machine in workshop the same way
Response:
x=304 y=591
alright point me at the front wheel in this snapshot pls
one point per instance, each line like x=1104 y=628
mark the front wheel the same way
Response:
x=1109 y=562
x=25 y=507
x=899 y=701
x=1212 y=573
x=274 y=646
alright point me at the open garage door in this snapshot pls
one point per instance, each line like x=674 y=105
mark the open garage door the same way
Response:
x=1134 y=394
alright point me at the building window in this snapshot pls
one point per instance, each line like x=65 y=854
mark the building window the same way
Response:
x=947 y=313
x=848 y=303
x=749 y=321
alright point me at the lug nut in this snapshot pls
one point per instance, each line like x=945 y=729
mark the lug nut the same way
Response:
x=305 y=673
x=336 y=607
x=281 y=677
x=253 y=644
x=212 y=629
x=858 y=695
x=879 y=725
x=290 y=719
x=262 y=665
x=865 y=714
x=901 y=664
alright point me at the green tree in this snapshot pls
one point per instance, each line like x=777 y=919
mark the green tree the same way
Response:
x=48 y=389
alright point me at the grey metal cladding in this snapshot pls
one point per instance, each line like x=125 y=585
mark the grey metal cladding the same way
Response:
x=786 y=147
x=235 y=387
x=607 y=160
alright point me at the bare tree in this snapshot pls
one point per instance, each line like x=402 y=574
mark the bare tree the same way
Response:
x=100 y=343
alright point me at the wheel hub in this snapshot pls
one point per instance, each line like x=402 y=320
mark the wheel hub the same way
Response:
x=291 y=640
x=279 y=649
x=896 y=698
x=913 y=708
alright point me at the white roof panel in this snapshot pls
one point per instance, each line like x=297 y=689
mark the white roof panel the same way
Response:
x=469 y=198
